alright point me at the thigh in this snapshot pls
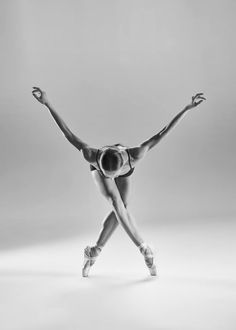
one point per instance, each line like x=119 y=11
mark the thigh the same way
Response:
x=123 y=185
x=112 y=188
x=106 y=186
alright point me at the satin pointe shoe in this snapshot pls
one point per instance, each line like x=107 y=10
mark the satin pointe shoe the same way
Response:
x=148 y=258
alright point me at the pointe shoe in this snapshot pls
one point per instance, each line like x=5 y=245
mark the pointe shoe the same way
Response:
x=148 y=258
x=89 y=260
x=153 y=270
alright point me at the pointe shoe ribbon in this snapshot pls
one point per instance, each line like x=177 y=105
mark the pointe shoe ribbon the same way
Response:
x=88 y=260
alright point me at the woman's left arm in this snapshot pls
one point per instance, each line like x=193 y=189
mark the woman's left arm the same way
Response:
x=138 y=152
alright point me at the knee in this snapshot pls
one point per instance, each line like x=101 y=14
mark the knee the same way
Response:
x=115 y=201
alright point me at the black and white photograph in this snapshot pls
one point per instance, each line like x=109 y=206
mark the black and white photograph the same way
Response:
x=118 y=158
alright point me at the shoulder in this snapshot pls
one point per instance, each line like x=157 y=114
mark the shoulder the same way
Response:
x=137 y=153
x=90 y=154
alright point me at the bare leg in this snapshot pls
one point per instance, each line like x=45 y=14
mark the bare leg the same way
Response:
x=116 y=192
x=126 y=221
x=111 y=223
x=91 y=253
x=108 y=227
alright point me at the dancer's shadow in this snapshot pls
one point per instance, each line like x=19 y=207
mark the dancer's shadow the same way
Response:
x=104 y=281
x=118 y=282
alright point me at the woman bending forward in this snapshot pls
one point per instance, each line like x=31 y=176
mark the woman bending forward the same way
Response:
x=111 y=167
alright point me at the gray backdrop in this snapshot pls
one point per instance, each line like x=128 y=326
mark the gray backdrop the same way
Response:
x=116 y=71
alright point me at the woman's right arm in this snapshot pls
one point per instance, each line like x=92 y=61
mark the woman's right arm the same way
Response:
x=88 y=152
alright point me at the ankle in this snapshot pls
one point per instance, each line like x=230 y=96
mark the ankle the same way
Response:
x=98 y=248
x=143 y=246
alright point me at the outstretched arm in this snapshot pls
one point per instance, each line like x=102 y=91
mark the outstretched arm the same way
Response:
x=42 y=98
x=139 y=152
x=88 y=152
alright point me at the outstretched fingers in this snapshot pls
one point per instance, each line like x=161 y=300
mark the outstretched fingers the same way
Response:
x=38 y=94
x=37 y=90
x=198 y=96
x=197 y=99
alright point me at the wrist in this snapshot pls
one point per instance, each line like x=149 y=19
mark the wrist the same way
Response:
x=188 y=107
x=47 y=104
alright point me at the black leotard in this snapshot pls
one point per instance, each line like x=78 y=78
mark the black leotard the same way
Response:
x=92 y=168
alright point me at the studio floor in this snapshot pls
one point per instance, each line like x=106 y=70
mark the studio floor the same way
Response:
x=42 y=288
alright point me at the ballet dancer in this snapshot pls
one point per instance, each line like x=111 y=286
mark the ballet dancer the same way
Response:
x=111 y=166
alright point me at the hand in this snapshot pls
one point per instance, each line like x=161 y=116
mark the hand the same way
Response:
x=40 y=95
x=196 y=100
